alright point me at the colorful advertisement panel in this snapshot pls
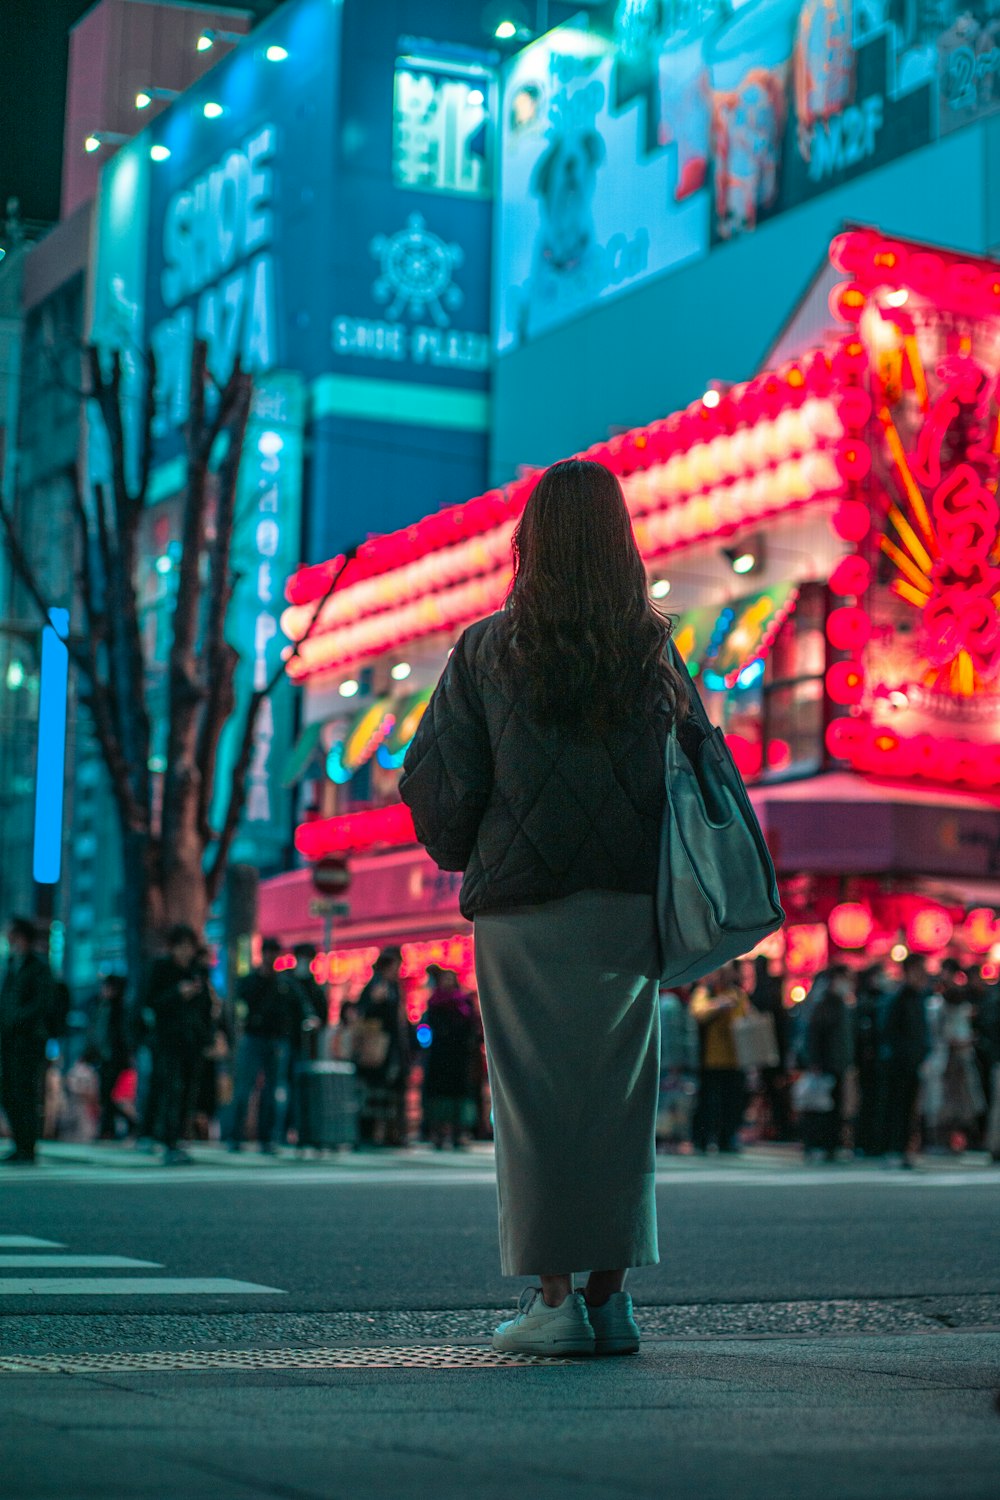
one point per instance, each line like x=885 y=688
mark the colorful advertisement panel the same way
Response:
x=629 y=149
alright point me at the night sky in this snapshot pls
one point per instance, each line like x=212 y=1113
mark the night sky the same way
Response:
x=34 y=45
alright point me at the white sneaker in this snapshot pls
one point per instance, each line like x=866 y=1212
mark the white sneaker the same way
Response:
x=537 y=1328
x=615 y=1328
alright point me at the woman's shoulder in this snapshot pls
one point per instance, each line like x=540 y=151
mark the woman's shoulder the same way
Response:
x=478 y=642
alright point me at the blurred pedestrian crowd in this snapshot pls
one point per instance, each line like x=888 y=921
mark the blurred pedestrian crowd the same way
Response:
x=183 y=1063
x=886 y=1061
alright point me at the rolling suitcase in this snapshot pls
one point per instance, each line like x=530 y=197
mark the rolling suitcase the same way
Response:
x=329 y=1104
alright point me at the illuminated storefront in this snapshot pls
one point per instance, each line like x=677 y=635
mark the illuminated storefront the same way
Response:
x=826 y=537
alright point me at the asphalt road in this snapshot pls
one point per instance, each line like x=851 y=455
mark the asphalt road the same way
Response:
x=426 y=1237
x=829 y=1334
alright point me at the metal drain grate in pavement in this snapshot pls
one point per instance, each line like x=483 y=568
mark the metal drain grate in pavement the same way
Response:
x=361 y=1357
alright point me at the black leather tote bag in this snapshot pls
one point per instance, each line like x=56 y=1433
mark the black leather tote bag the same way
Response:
x=716 y=891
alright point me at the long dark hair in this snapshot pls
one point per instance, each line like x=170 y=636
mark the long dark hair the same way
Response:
x=587 y=646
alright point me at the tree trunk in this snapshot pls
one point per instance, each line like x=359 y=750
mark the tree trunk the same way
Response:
x=136 y=910
x=183 y=892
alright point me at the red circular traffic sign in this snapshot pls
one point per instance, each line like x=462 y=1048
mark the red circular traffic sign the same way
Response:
x=331 y=875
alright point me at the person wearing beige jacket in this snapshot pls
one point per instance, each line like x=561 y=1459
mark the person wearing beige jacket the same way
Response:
x=715 y=1004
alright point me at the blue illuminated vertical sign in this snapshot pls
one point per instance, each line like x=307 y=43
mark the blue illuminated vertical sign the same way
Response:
x=51 y=748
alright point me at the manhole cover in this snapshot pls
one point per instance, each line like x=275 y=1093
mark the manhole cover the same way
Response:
x=388 y=1356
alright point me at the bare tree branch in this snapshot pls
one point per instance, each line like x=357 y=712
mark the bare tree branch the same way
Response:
x=148 y=418
x=230 y=397
x=185 y=691
x=219 y=659
x=119 y=557
x=241 y=767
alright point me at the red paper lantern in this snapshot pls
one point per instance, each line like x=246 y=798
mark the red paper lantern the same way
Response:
x=979 y=929
x=852 y=575
x=854 y=407
x=929 y=929
x=853 y=459
x=851 y=521
x=851 y=924
x=848 y=628
x=845 y=682
x=847 y=301
x=843 y=737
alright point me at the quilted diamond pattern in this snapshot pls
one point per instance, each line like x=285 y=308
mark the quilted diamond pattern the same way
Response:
x=529 y=813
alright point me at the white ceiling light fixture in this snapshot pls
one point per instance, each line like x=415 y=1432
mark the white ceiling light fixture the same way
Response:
x=208 y=38
x=747 y=556
x=98 y=138
x=145 y=97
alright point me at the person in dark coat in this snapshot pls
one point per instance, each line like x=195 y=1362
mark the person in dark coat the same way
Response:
x=315 y=1006
x=25 y=1007
x=382 y=1052
x=307 y=1027
x=110 y=1040
x=829 y=1050
x=872 y=991
x=768 y=999
x=905 y=1044
x=178 y=995
x=272 y=1005
x=450 y=1061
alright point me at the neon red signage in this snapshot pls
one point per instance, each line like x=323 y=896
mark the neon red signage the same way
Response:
x=918 y=696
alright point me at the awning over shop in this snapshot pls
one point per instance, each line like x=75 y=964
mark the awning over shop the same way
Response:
x=301 y=755
x=743 y=632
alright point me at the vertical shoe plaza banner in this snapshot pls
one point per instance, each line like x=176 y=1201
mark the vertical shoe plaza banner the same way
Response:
x=627 y=150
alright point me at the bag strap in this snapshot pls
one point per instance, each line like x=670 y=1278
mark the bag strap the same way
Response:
x=698 y=709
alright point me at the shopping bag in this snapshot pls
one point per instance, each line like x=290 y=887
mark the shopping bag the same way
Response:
x=756 y=1041
x=812 y=1093
x=371 y=1044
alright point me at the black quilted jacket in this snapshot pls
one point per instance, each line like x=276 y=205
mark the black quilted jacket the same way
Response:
x=529 y=813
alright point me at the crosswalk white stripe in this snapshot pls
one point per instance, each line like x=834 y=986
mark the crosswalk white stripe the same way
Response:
x=28 y=1242
x=50 y=1262
x=132 y=1286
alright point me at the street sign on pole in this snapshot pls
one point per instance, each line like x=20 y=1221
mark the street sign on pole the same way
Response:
x=327 y=908
x=331 y=875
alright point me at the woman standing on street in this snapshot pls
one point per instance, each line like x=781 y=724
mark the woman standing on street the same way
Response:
x=538 y=770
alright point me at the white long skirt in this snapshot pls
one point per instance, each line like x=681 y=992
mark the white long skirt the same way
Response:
x=569 y=998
